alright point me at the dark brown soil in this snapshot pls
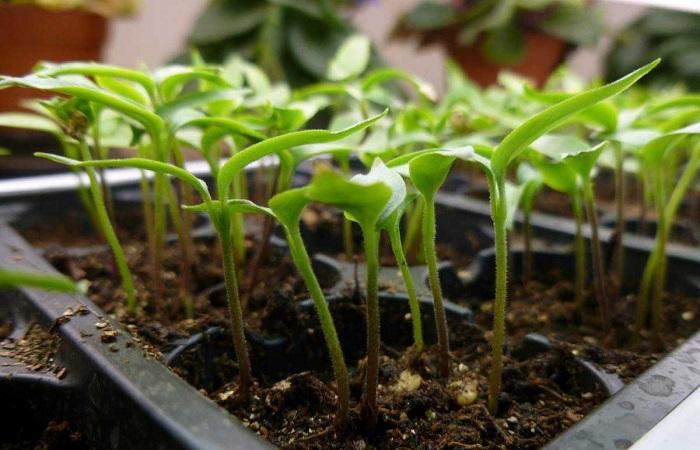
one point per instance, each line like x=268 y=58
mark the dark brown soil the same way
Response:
x=58 y=435
x=36 y=351
x=542 y=396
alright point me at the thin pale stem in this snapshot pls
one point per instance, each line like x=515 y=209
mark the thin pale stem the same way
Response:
x=656 y=261
x=188 y=199
x=348 y=242
x=412 y=241
x=340 y=371
x=159 y=225
x=597 y=255
x=101 y=153
x=428 y=236
x=185 y=254
x=147 y=206
x=619 y=250
x=282 y=181
x=234 y=307
x=501 y=297
x=369 y=400
x=527 y=247
x=109 y=234
x=397 y=249
x=237 y=225
x=580 y=254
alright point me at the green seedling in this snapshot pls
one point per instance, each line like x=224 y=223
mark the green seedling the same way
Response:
x=286 y=208
x=428 y=170
x=570 y=169
x=392 y=225
x=156 y=103
x=219 y=215
x=530 y=183
x=653 y=154
x=512 y=146
x=369 y=200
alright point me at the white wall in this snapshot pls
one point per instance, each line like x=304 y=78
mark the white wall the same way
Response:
x=157 y=33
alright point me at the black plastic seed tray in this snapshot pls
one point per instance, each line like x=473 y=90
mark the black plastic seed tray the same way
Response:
x=121 y=396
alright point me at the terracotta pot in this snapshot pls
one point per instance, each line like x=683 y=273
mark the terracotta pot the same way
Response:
x=30 y=34
x=543 y=53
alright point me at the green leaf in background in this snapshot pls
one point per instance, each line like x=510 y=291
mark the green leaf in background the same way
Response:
x=227 y=19
x=558 y=176
x=172 y=79
x=518 y=139
x=382 y=75
x=575 y=24
x=514 y=194
x=89 y=92
x=351 y=59
x=133 y=92
x=654 y=150
x=431 y=15
x=136 y=163
x=230 y=126
x=558 y=146
x=28 y=121
x=505 y=45
x=284 y=142
x=10 y=279
x=313 y=46
x=531 y=182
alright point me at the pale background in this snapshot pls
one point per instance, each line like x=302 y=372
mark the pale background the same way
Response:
x=161 y=28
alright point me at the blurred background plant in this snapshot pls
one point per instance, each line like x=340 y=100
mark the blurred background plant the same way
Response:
x=292 y=40
x=486 y=35
x=671 y=35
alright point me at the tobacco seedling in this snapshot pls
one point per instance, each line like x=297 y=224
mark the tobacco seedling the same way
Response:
x=218 y=212
x=529 y=184
x=653 y=154
x=287 y=207
x=570 y=169
x=513 y=145
x=368 y=200
x=428 y=170
x=154 y=103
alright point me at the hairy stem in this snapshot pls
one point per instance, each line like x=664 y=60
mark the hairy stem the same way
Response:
x=303 y=263
x=428 y=237
x=109 y=234
x=397 y=249
x=501 y=295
